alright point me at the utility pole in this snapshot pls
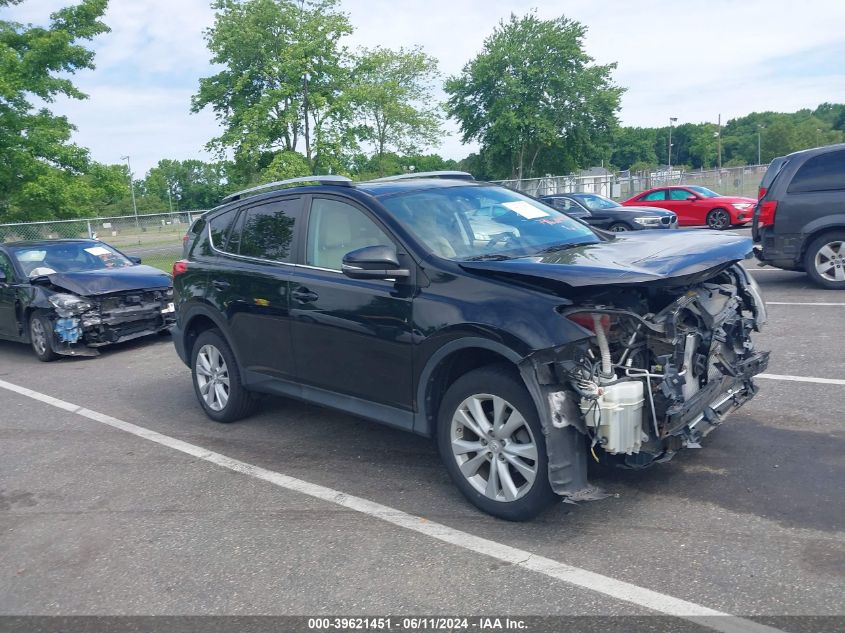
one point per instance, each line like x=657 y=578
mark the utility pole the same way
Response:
x=672 y=120
x=759 y=129
x=169 y=197
x=719 y=137
x=132 y=189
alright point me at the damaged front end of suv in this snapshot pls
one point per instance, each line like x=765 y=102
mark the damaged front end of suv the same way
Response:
x=660 y=366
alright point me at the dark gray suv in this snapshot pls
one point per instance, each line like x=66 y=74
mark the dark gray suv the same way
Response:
x=799 y=222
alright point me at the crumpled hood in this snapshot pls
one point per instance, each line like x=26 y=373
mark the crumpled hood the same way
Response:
x=107 y=280
x=632 y=257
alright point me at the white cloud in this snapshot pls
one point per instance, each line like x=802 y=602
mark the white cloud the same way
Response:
x=681 y=58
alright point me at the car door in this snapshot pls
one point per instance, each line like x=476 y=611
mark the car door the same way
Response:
x=689 y=212
x=249 y=282
x=8 y=299
x=350 y=336
x=656 y=198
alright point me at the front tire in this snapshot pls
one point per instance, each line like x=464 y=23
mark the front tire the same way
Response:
x=824 y=260
x=41 y=337
x=492 y=444
x=718 y=220
x=217 y=379
x=618 y=227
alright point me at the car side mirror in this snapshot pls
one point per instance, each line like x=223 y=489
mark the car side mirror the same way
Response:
x=373 y=262
x=135 y=260
x=692 y=198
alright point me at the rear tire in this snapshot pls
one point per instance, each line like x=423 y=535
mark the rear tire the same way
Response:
x=217 y=379
x=719 y=220
x=492 y=444
x=41 y=337
x=824 y=260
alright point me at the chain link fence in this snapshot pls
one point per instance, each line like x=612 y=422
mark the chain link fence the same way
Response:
x=155 y=238
x=734 y=181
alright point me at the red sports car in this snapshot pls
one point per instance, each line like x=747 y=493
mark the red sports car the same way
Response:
x=697 y=206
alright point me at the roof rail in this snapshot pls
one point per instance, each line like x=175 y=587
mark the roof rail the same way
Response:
x=457 y=175
x=341 y=181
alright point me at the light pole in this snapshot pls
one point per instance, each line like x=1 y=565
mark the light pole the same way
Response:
x=169 y=197
x=672 y=120
x=759 y=129
x=132 y=189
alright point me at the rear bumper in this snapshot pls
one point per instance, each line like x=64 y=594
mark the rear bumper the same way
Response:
x=179 y=344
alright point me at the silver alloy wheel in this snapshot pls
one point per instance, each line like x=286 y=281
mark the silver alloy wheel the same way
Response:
x=718 y=219
x=212 y=377
x=494 y=447
x=38 y=336
x=830 y=261
x=618 y=228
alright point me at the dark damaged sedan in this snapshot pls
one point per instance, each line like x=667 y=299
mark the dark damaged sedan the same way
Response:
x=68 y=297
x=526 y=344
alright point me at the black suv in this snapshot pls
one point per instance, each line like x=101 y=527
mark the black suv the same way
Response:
x=525 y=349
x=799 y=220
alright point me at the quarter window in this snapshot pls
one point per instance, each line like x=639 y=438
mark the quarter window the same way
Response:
x=219 y=227
x=6 y=267
x=266 y=231
x=825 y=172
x=654 y=196
x=336 y=228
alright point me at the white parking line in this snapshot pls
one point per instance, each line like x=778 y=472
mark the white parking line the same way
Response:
x=804 y=303
x=592 y=581
x=820 y=381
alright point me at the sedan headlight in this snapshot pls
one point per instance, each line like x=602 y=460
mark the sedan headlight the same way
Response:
x=742 y=206
x=648 y=221
x=67 y=305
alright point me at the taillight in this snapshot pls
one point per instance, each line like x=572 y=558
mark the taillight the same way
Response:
x=761 y=192
x=766 y=217
x=185 y=238
x=180 y=267
x=585 y=319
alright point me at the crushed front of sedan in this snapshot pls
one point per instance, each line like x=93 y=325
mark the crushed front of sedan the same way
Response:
x=83 y=322
x=660 y=366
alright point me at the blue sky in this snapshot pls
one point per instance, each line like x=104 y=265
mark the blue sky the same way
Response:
x=692 y=60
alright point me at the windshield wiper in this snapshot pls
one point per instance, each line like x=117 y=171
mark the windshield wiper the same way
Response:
x=562 y=247
x=496 y=257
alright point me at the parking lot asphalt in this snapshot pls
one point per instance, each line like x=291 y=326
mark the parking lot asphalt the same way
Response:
x=97 y=521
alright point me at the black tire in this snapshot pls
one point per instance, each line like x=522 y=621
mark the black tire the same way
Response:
x=618 y=227
x=41 y=337
x=833 y=243
x=718 y=219
x=239 y=403
x=503 y=382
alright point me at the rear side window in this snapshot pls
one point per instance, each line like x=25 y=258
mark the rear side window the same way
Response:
x=654 y=195
x=267 y=231
x=6 y=267
x=825 y=172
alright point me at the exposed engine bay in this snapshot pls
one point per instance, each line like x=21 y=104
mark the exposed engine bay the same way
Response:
x=663 y=367
x=83 y=323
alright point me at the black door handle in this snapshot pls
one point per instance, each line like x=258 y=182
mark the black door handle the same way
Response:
x=303 y=295
x=220 y=284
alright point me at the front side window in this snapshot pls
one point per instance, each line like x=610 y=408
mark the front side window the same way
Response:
x=679 y=194
x=484 y=222
x=704 y=192
x=595 y=202
x=6 y=267
x=654 y=196
x=336 y=228
x=266 y=231
x=825 y=172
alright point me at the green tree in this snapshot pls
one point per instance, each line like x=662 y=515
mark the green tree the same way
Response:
x=392 y=95
x=534 y=99
x=189 y=184
x=38 y=162
x=282 y=78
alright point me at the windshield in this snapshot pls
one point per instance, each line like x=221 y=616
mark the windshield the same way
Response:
x=484 y=222
x=64 y=257
x=704 y=192
x=595 y=202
